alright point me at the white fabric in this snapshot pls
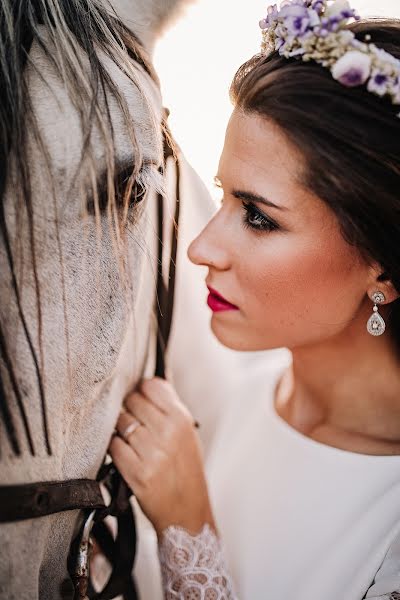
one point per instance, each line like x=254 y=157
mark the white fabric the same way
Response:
x=207 y=376
x=299 y=519
x=193 y=566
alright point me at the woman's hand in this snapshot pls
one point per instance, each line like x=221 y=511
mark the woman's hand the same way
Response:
x=160 y=458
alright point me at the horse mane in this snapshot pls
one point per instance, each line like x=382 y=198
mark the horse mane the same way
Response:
x=72 y=34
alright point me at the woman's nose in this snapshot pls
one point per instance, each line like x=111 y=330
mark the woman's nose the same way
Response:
x=208 y=248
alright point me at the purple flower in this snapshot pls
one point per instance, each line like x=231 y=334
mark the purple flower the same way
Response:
x=348 y=14
x=272 y=17
x=352 y=69
x=298 y=19
x=318 y=6
x=280 y=38
x=378 y=83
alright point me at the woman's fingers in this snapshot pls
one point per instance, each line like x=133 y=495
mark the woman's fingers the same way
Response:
x=126 y=460
x=161 y=393
x=145 y=411
x=139 y=438
x=160 y=458
x=126 y=425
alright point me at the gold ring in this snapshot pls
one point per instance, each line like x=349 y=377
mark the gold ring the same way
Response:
x=132 y=427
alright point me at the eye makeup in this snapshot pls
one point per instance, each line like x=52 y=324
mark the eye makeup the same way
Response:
x=255 y=219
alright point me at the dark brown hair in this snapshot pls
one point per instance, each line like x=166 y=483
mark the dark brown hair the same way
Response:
x=350 y=140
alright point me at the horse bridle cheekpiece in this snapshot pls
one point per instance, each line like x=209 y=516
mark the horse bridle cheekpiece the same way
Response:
x=22 y=502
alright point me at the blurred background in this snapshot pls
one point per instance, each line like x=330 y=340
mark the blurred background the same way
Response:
x=197 y=59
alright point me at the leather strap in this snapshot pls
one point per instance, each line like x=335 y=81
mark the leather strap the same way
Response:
x=32 y=500
x=121 y=551
x=166 y=292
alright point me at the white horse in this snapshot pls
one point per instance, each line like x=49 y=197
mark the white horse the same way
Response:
x=78 y=278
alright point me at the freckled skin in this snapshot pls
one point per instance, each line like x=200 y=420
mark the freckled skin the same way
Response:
x=294 y=286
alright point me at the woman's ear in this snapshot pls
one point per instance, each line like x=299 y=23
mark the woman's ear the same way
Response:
x=379 y=281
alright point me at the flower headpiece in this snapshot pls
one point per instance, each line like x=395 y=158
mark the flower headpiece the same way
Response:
x=316 y=30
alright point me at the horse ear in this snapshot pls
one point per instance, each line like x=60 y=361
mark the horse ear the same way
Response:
x=151 y=18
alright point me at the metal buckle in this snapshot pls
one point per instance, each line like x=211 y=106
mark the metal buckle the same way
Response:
x=81 y=573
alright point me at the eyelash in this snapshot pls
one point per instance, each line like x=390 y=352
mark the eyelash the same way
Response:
x=256 y=220
x=137 y=194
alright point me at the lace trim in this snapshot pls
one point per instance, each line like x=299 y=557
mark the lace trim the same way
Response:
x=193 y=566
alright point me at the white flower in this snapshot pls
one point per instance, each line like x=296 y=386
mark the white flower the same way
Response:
x=314 y=17
x=352 y=69
x=396 y=92
x=384 y=57
x=335 y=9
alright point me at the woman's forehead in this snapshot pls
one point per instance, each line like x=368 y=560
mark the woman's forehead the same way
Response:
x=254 y=139
x=256 y=149
x=260 y=159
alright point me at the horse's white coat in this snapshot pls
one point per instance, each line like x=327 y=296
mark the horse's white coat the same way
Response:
x=108 y=345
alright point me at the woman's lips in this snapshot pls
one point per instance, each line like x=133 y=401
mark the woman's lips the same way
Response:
x=217 y=303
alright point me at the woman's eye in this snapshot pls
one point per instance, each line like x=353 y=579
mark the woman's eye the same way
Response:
x=255 y=219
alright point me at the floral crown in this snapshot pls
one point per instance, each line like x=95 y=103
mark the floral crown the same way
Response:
x=317 y=30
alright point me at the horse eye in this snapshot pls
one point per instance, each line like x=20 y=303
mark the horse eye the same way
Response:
x=128 y=193
x=138 y=193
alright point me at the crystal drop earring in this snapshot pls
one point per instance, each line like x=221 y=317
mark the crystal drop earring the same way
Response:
x=376 y=325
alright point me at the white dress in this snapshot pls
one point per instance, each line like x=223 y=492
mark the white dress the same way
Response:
x=299 y=520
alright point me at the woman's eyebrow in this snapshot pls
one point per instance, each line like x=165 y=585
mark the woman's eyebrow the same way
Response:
x=250 y=197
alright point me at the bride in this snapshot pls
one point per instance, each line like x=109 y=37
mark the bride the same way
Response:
x=303 y=486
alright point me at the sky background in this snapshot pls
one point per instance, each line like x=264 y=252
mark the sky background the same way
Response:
x=197 y=59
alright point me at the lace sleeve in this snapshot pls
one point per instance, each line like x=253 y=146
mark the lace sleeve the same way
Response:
x=387 y=579
x=193 y=567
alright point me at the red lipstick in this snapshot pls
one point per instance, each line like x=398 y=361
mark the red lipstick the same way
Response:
x=217 y=303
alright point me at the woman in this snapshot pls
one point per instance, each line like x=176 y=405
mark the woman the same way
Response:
x=303 y=254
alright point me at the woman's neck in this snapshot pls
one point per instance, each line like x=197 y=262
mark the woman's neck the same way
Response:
x=345 y=392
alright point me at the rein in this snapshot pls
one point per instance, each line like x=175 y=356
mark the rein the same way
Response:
x=29 y=501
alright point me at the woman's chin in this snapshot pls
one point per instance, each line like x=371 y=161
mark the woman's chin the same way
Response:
x=234 y=340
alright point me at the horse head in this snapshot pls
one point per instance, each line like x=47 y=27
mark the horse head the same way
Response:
x=81 y=147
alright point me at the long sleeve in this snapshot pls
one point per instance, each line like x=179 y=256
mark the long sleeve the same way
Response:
x=386 y=585
x=193 y=567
